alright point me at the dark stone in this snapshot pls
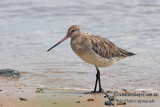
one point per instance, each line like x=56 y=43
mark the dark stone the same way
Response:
x=77 y=101
x=10 y=73
x=108 y=103
x=23 y=99
x=124 y=89
x=109 y=92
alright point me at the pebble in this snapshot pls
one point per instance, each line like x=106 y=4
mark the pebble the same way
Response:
x=90 y=99
x=108 y=103
x=109 y=92
x=10 y=73
x=124 y=90
x=37 y=91
x=120 y=103
x=23 y=99
x=77 y=101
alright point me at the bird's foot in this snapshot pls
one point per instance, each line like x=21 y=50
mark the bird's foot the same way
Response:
x=101 y=90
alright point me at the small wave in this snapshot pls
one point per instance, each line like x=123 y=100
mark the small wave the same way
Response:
x=27 y=84
x=76 y=89
x=147 y=89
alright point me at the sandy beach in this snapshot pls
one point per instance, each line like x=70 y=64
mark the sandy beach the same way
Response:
x=59 y=78
x=23 y=95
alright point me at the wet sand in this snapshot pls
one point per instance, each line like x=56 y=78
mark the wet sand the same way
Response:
x=45 y=97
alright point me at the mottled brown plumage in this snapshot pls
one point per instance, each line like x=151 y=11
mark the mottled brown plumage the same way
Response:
x=94 y=50
x=89 y=47
x=107 y=49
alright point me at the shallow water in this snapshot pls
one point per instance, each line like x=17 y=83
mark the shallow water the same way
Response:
x=29 y=27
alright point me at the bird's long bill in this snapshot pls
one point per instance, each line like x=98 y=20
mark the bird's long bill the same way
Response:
x=66 y=37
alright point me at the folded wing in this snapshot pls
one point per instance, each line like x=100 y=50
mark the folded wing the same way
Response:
x=105 y=48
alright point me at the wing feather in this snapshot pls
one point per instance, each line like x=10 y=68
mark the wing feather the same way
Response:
x=105 y=48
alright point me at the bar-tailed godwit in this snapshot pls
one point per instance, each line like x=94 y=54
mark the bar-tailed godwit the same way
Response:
x=94 y=50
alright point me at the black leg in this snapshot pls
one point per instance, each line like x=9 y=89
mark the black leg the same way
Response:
x=100 y=89
x=98 y=73
x=97 y=79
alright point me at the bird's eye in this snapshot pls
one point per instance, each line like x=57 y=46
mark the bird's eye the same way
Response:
x=73 y=31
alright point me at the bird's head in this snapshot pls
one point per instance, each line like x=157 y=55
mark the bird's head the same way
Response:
x=73 y=31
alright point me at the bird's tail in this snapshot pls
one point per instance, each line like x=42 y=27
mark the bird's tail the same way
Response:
x=125 y=53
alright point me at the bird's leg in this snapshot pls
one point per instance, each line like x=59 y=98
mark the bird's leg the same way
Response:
x=98 y=75
x=97 y=79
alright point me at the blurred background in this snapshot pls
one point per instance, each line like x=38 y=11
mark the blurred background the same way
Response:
x=29 y=27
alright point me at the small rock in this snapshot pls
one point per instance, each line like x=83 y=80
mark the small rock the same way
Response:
x=109 y=92
x=77 y=101
x=39 y=90
x=121 y=103
x=10 y=73
x=90 y=99
x=23 y=99
x=0 y=90
x=108 y=103
x=124 y=90
x=55 y=103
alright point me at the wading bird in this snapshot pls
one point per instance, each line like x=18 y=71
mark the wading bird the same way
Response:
x=94 y=50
